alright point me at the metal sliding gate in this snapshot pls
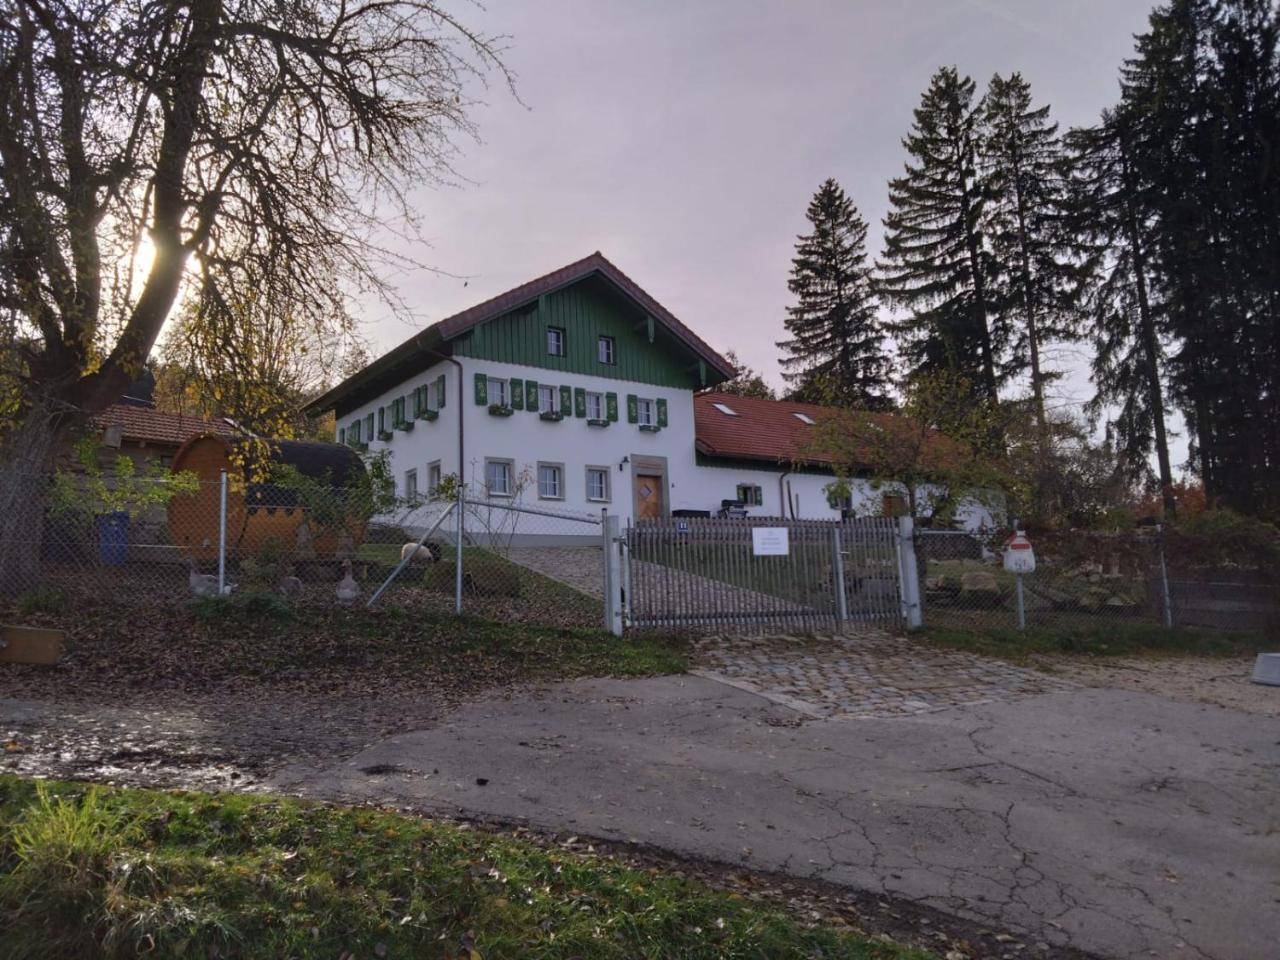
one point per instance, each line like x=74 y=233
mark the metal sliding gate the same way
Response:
x=759 y=574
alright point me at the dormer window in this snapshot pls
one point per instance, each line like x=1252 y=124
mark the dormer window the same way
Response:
x=727 y=410
x=804 y=418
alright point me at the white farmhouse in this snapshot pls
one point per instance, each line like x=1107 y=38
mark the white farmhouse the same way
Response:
x=578 y=392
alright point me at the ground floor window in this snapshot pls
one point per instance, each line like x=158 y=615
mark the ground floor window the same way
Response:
x=751 y=494
x=497 y=477
x=598 y=484
x=433 y=478
x=410 y=484
x=895 y=505
x=551 y=481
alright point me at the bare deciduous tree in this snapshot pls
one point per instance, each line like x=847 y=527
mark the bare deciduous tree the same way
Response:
x=209 y=151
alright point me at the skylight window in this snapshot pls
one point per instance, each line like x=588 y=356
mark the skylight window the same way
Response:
x=727 y=410
x=804 y=418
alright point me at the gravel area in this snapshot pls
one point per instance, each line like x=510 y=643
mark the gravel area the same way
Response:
x=1224 y=682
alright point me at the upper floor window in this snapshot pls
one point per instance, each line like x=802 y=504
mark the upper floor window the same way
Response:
x=548 y=398
x=555 y=341
x=646 y=414
x=498 y=392
x=595 y=406
x=606 y=352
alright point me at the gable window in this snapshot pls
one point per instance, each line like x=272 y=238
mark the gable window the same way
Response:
x=605 y=350
x=499 y=392
x=411 y=484
x=548 y=399
x=433 y=478
x=646 y=414
x=555 y=341
x=751 y=494
x=595 y=406
x=551 y=481
x=497 y=477
x=598 y=484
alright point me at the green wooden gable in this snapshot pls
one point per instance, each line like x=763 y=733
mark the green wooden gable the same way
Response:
x=643 y=350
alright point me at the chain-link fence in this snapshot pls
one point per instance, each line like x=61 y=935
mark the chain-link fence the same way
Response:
x=1084 y=579
x=81 y=541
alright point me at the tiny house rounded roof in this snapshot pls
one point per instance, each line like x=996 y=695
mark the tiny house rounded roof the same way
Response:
x=312 y=459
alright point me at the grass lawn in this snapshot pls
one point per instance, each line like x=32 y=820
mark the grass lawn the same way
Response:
x=92 y=872
x=1094 y=640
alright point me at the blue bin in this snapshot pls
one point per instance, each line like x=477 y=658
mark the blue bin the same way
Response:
x=113 y=538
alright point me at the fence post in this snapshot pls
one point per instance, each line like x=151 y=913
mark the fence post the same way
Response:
x=611 y=534
x=1022 y=609
x=1166 y=613
x=837 y=573
x=222 y=533
x=908 y=575
x=457 y=550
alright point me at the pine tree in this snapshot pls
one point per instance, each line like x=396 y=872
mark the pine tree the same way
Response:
x=1034 y=281
x=1111 y=212
x=835 y=349
x=1203 y=92
x=935 y=264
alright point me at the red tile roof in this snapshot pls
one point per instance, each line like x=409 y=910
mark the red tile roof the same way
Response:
x=767 y=430
x=147 y=425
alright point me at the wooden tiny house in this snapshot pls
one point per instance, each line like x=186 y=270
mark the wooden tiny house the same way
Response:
x=260 y=512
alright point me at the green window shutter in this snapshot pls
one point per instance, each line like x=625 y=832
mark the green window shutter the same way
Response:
x=382 y=419
x=417 y=402
x=580 y=402
x=633 y=409
x=482 y=390
x=368 y=428
x=531 y=395
x=611 y=406
x=662 y=412
x=566 y=401
x=517 y=393
x=440 y=391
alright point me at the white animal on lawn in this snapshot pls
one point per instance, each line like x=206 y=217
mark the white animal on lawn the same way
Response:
x=204 y=584
x=423 y=553
x=348 y=590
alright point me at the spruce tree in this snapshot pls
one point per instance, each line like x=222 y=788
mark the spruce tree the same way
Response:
x=835 y=350
x=1110 y=211
x=1034 y=282
x=935 y=264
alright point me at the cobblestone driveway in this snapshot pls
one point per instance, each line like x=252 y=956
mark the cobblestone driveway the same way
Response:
x=868 y=675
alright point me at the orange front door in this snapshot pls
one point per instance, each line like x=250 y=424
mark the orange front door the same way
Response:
x=648 y=497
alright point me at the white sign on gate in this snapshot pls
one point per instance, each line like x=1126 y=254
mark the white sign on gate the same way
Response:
x=770 y=541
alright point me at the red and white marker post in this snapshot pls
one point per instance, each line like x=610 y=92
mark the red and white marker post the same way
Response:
x=1019 y=558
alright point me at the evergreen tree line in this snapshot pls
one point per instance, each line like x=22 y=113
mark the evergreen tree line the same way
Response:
x=1151 y=239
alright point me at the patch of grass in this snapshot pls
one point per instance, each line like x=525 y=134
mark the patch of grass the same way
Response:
x=1094 y=640
x=92 y=872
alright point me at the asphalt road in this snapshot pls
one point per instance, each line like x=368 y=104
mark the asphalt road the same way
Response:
x=1120 y=823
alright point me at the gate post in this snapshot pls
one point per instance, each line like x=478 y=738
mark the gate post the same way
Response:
x=837 y=576
x=909 y=574
x=611 y=536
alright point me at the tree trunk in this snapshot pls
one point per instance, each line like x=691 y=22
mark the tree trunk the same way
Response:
x=26 y=479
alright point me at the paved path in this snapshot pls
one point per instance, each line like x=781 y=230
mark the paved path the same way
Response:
x=1118 y=822
x=870 y=674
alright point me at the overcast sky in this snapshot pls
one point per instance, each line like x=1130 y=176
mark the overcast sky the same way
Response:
x=685 y=139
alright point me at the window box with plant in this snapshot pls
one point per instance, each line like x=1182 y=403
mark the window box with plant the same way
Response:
x=597 y=422
x=551 y=416
x=428 y=415
x=500 y=410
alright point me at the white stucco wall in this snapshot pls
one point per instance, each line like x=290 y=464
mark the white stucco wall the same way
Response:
x=528 y=440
